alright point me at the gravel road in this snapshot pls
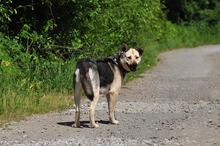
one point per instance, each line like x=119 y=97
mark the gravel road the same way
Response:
x=175 y=103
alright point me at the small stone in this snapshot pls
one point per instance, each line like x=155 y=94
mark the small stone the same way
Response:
x=157 y=128
x=153 y=137
x=186 y=111
x=171 y=128
x=172 y=138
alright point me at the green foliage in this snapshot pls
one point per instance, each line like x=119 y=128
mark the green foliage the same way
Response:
x=5 y=14
x=112 y=23
x=191 y=10
x=94 y=27
x=26 y=78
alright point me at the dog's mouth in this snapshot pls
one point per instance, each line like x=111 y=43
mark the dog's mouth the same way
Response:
x=132 y=67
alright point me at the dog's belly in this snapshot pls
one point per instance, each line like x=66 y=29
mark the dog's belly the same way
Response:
x=104 y=90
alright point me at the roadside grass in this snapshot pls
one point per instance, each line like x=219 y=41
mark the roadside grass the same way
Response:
x=47 y=103
x=19 y=99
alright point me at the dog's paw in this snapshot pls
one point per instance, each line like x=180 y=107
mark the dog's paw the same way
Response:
x=76 y=125
x=116 y=122
x=94 y=125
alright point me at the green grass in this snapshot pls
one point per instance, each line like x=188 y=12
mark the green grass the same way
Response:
x=22 y=95
x=28 y=106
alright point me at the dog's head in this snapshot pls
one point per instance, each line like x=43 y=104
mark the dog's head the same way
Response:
x=130 y=57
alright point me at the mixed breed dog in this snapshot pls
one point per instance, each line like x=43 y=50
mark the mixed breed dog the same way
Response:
x=96 y=77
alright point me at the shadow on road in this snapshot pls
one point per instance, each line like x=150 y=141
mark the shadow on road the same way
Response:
x=84 y=124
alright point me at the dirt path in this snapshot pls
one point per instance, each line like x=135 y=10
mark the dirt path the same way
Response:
x=176 y=103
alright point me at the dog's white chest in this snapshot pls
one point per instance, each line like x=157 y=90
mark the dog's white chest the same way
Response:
x=117 y=82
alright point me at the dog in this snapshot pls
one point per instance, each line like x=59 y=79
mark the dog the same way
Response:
x=96 y=77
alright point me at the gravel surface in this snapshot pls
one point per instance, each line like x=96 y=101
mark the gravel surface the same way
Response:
x=175 y=103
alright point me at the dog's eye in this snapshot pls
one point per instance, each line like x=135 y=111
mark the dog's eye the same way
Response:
x=129 y=57
x=136 y=57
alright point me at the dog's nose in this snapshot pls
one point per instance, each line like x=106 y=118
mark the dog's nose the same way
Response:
x=133 y=67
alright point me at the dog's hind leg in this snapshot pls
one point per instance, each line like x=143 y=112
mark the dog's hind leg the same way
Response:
x=77 y=98
x=94 y=78
x=92 y=111
x=111 y=98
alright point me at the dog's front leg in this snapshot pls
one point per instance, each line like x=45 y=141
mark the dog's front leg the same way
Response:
x=111 y=98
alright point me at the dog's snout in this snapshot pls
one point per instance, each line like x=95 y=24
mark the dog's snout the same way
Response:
x=133 y=67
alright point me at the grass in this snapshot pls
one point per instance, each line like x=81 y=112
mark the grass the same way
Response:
x=20 y=98
x=47 y=103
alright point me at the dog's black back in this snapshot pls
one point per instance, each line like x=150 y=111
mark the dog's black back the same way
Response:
x=106 y=74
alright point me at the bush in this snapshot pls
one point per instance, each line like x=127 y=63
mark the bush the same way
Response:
x=193 y=11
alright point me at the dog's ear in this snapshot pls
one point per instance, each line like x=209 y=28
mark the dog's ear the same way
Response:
x=124 y=48
x=140 y=51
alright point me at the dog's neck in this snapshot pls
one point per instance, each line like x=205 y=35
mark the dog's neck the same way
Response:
x=116 y=61
x=121 y=68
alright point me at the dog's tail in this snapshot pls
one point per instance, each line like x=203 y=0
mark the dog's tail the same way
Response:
x=85 y=79
x=87 y=86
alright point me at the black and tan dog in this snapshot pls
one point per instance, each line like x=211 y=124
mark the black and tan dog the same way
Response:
x=103 y=77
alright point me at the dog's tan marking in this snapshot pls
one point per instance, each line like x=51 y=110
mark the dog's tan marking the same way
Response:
x=111 y=98
x=132 y=56
x=96 y=90
x=92 y=111
x=113 y=93
x=77 y=94
x=116 y=84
